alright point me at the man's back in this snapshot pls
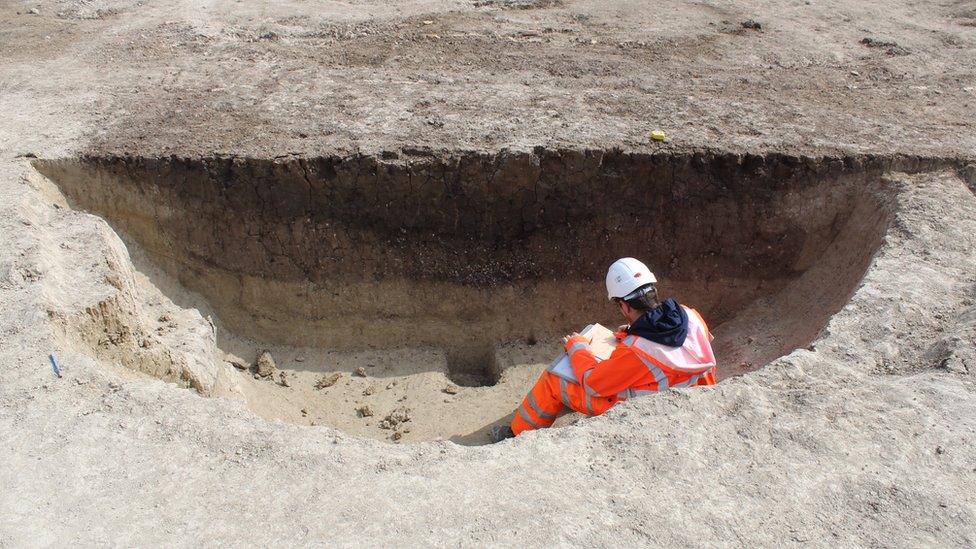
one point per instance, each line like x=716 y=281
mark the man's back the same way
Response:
x=667 y=347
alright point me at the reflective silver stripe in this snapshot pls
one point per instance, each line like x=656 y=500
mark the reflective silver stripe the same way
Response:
x=525 y=416
x=562 y=392
x=656 y=351
x=645 y=349
x=535 y=408
x=576 y=347
x=689 y=382
x=586 y=386
x=626 y=393
x=589 y=405
x=659 y=377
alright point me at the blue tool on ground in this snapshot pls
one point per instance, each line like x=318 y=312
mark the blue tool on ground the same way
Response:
x=55 y=365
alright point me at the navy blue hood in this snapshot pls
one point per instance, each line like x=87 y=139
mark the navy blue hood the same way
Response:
x=666 y=324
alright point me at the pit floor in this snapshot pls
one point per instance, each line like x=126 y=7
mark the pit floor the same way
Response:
x=411 y=380
x=414 y=381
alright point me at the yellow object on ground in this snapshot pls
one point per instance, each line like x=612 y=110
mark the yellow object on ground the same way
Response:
x=658 y=135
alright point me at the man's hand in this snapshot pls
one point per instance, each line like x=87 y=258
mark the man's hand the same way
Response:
x=574 y=338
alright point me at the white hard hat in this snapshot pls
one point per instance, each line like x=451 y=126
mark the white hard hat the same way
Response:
x=627 y=277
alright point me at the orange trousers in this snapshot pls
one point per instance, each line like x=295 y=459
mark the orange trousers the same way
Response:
x=547 y=399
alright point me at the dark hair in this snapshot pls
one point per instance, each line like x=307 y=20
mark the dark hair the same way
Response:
x=644 y=302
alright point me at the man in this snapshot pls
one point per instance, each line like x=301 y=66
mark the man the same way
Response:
x=665 y=345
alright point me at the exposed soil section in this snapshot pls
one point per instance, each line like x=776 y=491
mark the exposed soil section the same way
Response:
x=413 y=268
x=362 y=253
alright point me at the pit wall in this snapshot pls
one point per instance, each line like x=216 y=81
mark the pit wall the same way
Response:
x=99 y=305
x=466 y=250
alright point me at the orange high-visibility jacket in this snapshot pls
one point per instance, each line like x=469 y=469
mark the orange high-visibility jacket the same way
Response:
x=639 y=366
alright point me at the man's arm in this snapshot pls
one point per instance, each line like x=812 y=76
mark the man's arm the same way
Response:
x=603 y=378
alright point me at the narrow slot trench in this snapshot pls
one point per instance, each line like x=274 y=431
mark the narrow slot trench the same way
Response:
x=473 y=365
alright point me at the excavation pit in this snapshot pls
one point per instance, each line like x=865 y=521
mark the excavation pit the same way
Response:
x=447 y=278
